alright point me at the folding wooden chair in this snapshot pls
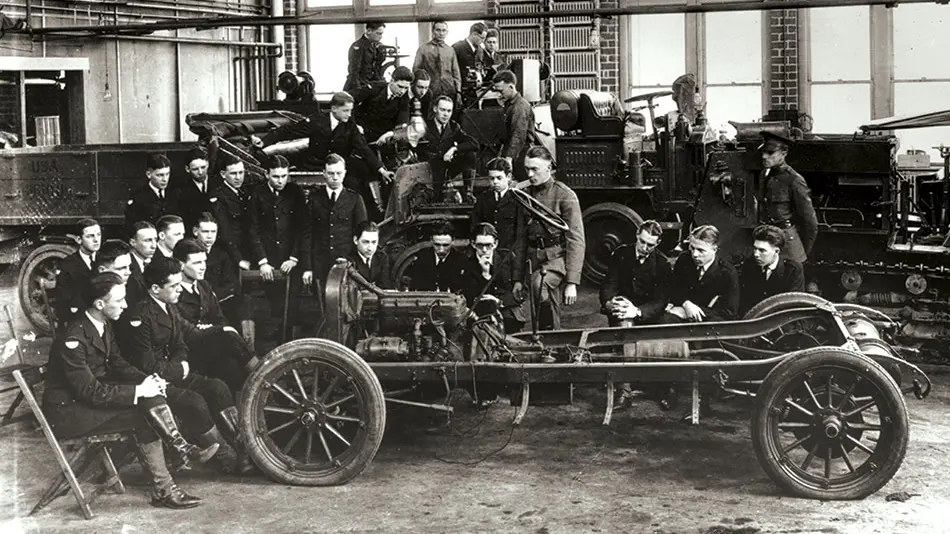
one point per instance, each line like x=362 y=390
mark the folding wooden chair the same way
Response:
x=6 y=375
x=91 y=450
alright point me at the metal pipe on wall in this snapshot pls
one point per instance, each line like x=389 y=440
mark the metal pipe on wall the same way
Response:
x=277 y=10
x=170 y=39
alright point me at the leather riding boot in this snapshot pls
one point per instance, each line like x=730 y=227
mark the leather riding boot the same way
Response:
x=226 y=459
x=248 y=333
x=252 y=364
x=230 y=417
x=161 y=420
x=165 y=492
x=376 y=189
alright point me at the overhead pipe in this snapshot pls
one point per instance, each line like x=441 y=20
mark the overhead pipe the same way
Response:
x=333 y=17
x=277 y=11
x=173 y=39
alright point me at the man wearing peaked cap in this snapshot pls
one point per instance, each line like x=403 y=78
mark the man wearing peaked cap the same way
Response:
x=784 y=198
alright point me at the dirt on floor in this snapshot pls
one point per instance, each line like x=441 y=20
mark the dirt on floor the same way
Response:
x=560 y=471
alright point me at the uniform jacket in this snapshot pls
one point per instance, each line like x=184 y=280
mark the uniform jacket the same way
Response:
x=511 y=222
x=201 y=307
x=425 y=275
x=378 y=270
x=135 y=289
x=192 y=202
x=230 y=212
x=154 y=341
x=364 y=61
x=345 y=140
x=377 y=113
x=645 y=284
x=277 y=224
x=501 y=284
x=222 y=273
x=330 y=230
x=73 y=275
x=145 y=205
x=468 y=58
x=720 y=282
x=87 y=379
x=438 y=59
x=785 y=197
x=754 y=288
x=436 y=144
x=519 y=128
x=569 y=260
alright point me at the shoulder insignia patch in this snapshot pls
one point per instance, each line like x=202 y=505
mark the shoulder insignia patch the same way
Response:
x=213 y=199
x=131 y=202
x=356 y=47
x=73 y=309
x=71 y=344
x=135 y=323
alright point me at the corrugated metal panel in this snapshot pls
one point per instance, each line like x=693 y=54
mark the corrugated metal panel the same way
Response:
x=575 y=82
x=511 y=8
x=518 y=39
x=574 y=63
x=572 y=6
x=571 y=37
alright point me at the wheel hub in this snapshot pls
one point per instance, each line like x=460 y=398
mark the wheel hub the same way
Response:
x=832 y=426
x=314 y=414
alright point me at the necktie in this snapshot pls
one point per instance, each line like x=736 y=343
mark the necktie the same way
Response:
x=105 y=339
x=161 y=194
x=702 y=271
x=767 y=272
x=497 y=196
x=332 y=197
x=202 y=187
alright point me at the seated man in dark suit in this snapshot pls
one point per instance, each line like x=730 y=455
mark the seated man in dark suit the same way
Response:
x=438 y=268
x=92 y=389
x=152 y=337
x=115 y=256
x=705 y=287
x=144 y=243
x=381 y=106
x=498 y=207
x=222 y=272
x=490 y=271
x=637 y=282
x=766 y=273
x=334 y=133
x=448 y=149
x=75 y=270
x=154 y=199
x=373 y=264
x=215 y=348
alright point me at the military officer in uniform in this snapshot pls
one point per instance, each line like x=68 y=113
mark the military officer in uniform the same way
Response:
x=92 y=389
x=144 y=243
x=365 y=59
x=766 y=273
x=152 y=337
x=519 y=131
x=498 y=207
x=559 y=254
x=785 y=200
x=334 y=213
x=229 y=203
x=155 y=198
x=76 y=269
x=193 y=194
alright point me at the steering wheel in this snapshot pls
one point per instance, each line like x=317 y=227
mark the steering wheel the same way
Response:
x=539 y=210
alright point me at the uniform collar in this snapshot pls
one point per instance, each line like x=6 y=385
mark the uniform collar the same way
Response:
x=100 y=326
x=161 y=304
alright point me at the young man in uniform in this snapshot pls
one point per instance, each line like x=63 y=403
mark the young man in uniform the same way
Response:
x=561 y=253
x=448 y=149
x=705 y=287
x=373 y=264
x=171 y=230
x=519 y=134
x=193 y=195
x=766 y=273
x=155 y=198
x=229 y=204
x=222 y=272
x=144 y=242
x=498 y=207
x=75 y=270
x=92 y=389
x=440 y=267
x=785 y=199
x=491 y=271
x=638 y=279
x=365 y=58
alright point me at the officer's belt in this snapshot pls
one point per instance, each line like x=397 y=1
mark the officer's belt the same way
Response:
x=542 y=255
x=545 y=242
x=783 y=224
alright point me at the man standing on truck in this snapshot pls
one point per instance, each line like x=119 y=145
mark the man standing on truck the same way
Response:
x=365 y=58
x=155 y=199
x=76 y=269
x=557 y=256
x=785 y=200
x=519 y=133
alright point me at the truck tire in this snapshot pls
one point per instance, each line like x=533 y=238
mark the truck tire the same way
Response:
x=36 y=284
x=607 y=226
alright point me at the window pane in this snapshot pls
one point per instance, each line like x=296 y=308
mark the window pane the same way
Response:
x=390 y=2
x=405 y=35
x=920 y=37
x=741 y=104
x=329 y=3
x=840 y=108
x=734 y=47
x=658 y=53
x=329 y=64
x=840 y=44
x=458 y=30
x=913 y=98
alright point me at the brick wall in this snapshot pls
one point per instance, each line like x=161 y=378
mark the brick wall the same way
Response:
x=610 y=50
x=9 y=109
x=783 y=59
x=290 y=38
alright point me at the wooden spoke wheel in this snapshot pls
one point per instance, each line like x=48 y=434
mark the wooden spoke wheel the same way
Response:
x=36 y=284
x=313 y=414
x=830 y=424
x=607 y=226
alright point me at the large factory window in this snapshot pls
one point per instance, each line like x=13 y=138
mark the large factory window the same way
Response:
x=405 y=35
x=733 y=67
x=840 y=68
x=653 y=67
x=920 y=85
x=329 y=65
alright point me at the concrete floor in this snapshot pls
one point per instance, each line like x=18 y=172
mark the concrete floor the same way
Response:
x=560 y=471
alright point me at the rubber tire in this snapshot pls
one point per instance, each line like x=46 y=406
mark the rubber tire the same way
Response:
x=593 y=272
x=784 y=301
x=402 y=262
x=36 y=315
x=363 y=378
x=794 y=366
